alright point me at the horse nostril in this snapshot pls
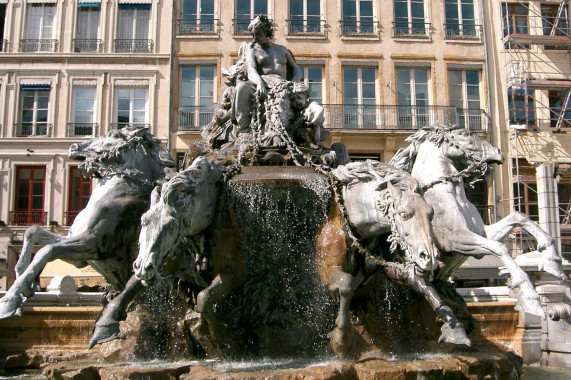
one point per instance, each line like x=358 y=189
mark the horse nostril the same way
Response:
x=149 y=267
x=136 y=265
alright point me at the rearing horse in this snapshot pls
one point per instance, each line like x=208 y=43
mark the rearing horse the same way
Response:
x=441 y=158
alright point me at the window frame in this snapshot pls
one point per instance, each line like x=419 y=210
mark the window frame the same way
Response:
x=365 y=112
x=199 y=22
x=198 y=113
x=35 y=126
x=131 y=110
x=308 y=26
x=356 y=28
x=462 y=28
x=91 y=42
x=83 y=125
x=413 y=116
x=40 y=41
x=240 y=23
x=411 y=31
x=80 y=198
x=306 y=80
x=134 y=44
x=514 y=95
x=33 y=215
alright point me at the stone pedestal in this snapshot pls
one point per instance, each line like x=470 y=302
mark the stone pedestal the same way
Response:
x=556 y=329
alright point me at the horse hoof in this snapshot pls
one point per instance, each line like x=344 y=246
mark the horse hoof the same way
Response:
x=10 y=306
x=454 y=335
x=553 y=267
x=106 y=333
x=531 y=306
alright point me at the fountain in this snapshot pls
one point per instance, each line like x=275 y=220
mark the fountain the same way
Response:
x=272 y=255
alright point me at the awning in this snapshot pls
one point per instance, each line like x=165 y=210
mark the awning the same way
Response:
x=360 y=64
x=132 y=83
x=35 y=83
x=543 y=147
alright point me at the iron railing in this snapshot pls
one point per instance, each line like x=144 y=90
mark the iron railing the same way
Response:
x=365 y=117
x=82 y=129
x=39 y=45
x=193 y=118
x=299 y=27
x=411 y=29
x=28 y=218
x=69 y=217
x=463 y=32
x=120 y=125
x=487 y=213
x=87 y=45
x=32 y=129
x=134 y=46
x=355 y=28
x=190 y=26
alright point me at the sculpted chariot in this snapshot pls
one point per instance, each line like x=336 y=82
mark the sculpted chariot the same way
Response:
x=238 y=231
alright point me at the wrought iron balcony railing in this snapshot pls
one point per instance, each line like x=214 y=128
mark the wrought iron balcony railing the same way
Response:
x=28 y=218
x=365 y=117
x=355 y=28
x=411 y=29
x=134 y=46
x=190 y=26
x=463 y=32
x=120 y=125
x=32 y=129
x=311 y=27
x=41 y=45
x=241 y=26
x=87 y=45
x=69 y=217
x=193 y=118
x=82 y=129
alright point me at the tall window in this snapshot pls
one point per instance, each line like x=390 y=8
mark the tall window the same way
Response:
x=410 y=18
x=39 y=28
x=555 y=22
x=29 y=206
x=83 y=112
x=3 y=44
x=133 y=33
x=196 y=96
x=131 y=106
x=79 y=192
x=521 y=107
x=359 y=97
x=197 y=17
x=412 y=97
x=460 y=19
x=358 y=17
x=313 y=78
x=515 y=20
x=34 y=102
x=246 y=11
x=559 y=108
x=464 y=93
x=305 y=16
x=86 y=40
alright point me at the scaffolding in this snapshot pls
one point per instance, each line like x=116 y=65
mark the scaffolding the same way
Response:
x=537 y=51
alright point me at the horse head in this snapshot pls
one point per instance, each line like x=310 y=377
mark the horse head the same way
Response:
x=131 y=151
x=182 y=207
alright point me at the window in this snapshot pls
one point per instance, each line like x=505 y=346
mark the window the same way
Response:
x=246 y=11
x=358 y=17
x=87 y=31
x=359 y=97
x=197 y=17
x=196 y=96
x=464 y=93
x=410 y=19
x=460 y=19
x=3 y=42
x=305 y=17
x=515 y=20
x=83 y=112
x=133 y=33
x=34 y=102
x=313 y=79
x=525 y=195
x=29 y=206
x=412 y=97
x=131 y=106
x=521 y=107
x=555 y=22
x=79 y=192
x=39 y=28
x=559 y=108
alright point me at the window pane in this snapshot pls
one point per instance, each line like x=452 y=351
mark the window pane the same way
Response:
x=313 y=8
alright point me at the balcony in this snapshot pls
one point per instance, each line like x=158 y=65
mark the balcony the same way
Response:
x=41 y=45
x=193 y=118
x=134 y=125
x=134 y=46
x=28 y=218
x=82 y=129
x=475 y=120
x=354 y=28
x=193 y=26
x=69 y=217
x=411 y=30
x=87 y=46
x=310 y=27
x=463 y=32
x=32 y=129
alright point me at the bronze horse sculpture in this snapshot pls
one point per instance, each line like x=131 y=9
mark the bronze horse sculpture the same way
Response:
x=374 y=204
x=129 y=162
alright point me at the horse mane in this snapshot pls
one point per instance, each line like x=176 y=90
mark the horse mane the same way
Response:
x=369 y=170
x=187 y=181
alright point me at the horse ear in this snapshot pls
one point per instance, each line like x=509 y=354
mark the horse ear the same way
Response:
x=394 y=192
x=156 y=195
